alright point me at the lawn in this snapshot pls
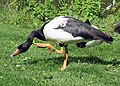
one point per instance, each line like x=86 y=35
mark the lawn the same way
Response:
x=95 y=66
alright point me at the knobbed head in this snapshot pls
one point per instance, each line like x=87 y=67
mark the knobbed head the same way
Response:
x=26 y=45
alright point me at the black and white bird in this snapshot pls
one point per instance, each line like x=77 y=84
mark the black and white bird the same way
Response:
x=111 y=4
x=63 y=30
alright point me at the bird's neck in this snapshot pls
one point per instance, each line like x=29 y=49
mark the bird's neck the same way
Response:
x=30 y=38
x=38 y=34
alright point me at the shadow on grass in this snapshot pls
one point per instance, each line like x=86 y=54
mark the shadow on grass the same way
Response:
x=89 y=59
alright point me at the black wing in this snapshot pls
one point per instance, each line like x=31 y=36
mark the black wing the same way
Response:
x=78 y=28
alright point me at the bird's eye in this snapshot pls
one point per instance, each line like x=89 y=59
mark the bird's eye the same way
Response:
x=20 y=47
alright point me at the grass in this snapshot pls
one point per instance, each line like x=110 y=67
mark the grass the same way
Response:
x=95 y=66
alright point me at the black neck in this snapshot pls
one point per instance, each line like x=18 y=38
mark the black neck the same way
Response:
x=38 y=34
x=31 y=37
x=26 y=45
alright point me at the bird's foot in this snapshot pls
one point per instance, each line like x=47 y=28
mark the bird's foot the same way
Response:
x=48 y=46
x=61 y=51
x=63 y=68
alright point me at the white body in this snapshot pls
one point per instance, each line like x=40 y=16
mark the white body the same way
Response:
x=59 y=35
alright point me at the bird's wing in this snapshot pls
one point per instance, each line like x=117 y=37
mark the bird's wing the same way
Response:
x=78 y=28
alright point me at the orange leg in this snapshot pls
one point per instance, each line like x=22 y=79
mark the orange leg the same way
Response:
x=65 y=60
x=50 y=47
x=61 y=51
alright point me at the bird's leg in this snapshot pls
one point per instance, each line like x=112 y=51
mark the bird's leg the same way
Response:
x=50 y=47
x=61 y=51
x=42 y=45
x=65 y=59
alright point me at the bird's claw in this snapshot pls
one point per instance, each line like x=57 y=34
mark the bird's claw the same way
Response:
x=63 y=68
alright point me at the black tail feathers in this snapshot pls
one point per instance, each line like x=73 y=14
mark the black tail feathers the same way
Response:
x=103 y=36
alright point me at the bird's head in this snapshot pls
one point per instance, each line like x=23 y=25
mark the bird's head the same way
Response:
x=21 y=48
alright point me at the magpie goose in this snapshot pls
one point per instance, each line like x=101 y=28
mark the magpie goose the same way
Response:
x=63 y=30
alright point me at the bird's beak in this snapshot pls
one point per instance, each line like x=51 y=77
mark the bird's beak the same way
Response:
x=15 y=53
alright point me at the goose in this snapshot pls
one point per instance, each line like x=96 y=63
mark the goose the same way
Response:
x=111 y=4
x=63 y=30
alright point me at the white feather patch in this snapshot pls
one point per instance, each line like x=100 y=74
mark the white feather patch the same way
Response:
x=59 y=35
x=56 y=22
x=93 y=43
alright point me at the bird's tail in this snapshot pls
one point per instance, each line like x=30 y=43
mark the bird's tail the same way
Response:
x=100 y=34
x=103 y=36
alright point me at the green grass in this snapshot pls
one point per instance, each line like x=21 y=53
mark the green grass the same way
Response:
x=95 y=66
